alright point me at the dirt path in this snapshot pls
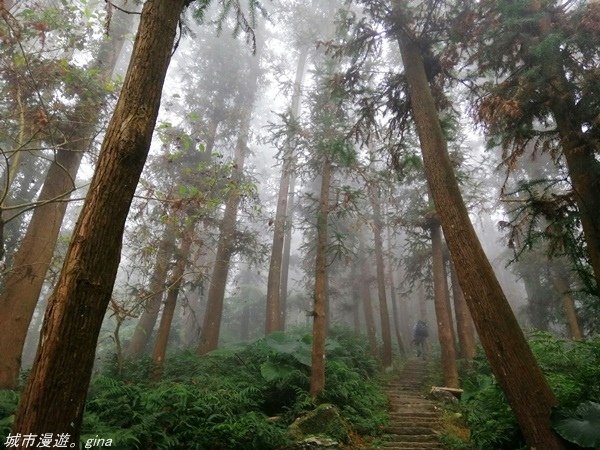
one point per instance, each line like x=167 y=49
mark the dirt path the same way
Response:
x=413 y=418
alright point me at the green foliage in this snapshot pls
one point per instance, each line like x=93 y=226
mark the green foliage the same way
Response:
x=172 y=414
x=362 y=403
x=453 y=442
x=583 y=427
x=572 y=369
x=237 y=397
x=324 y=420
x=489 y=416
x=224 y=400
x=8 y=404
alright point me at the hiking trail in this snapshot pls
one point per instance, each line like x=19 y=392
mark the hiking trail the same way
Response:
x=413 y=418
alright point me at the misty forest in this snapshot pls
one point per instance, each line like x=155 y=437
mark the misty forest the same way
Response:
x=285 y=224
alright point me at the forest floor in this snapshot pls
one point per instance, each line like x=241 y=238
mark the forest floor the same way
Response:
x=414 y=420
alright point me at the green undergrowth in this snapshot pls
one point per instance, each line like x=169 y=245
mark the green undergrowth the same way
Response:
x=572 y=369
x=237 y=397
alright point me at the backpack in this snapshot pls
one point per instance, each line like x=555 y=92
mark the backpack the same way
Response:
x=421 y=330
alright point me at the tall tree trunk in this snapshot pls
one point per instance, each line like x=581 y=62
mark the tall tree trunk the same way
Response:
x=319 y=334
x=287 y=248
x=245 y=323
x=63 y=364
x=421 y=298
x=580 y=151
x=394 y=298
x=509 y=355
x=355 y=312
x=448 y=300
x=31 y=261
x=442 y=312
x=274 y=312
x=154 y=295
x=273 y=304
x=164 y=329
x=464 y=328
x=365 y=293
x=209 y=336
x=6 y=5
x=13 y=219
x=211 y=327
x=386 y=335
x=191 y=322
x=355 y=299
x=560 y=281
x=584 y=171
x=537 y=303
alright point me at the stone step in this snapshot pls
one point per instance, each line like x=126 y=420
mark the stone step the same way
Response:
x=409 y=394
x=426 y=421
x=411 y=446
x=414 y=408
x=420 y=412
x=412 y=438
x=410 y=406
x=408 y=430
x=417 y=422
x=411 y=400
x=412 y=417
x=405 y=445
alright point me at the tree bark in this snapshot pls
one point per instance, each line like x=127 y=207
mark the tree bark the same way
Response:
x=580 y=151
x=560 y=281
x=394 y=298
x=317 y=373
x=386 y=335
x=12 y=220
x=143 y=330
x=209 y=336
x=274 y=311
x=422 y=302
x=584 y=171
x=509 y=355
x=355 y=311
x=31 y=261
x=54 y=398
x=365 y=291
x=537 y=302
x=287 y=247
x=274 y=320
x=464 y=328
x=442 y=312
x=164 y=329
x=6 y=4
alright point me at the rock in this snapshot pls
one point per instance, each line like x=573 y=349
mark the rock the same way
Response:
x=443 y=394
x=315 y=443
x=322 y=422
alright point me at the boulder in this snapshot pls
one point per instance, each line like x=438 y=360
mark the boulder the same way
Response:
x=324 y=421
x=444 y=394
x=315 y=443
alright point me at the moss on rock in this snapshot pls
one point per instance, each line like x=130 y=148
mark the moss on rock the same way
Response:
x=324 y=420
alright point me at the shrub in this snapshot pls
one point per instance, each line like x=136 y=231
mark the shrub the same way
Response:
x=572 y=369
x=8 y=404
x=225 y=399
x=237 y=397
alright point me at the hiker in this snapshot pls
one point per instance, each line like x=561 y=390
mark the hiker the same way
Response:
x=420 y=335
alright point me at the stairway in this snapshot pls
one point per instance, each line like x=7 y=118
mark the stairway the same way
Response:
x=413 y=418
